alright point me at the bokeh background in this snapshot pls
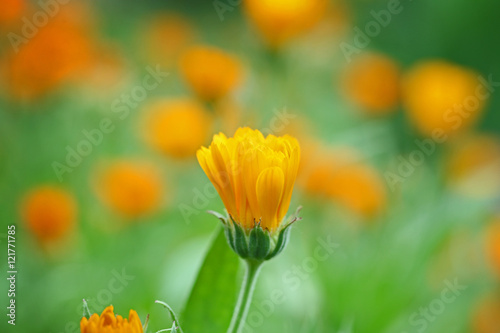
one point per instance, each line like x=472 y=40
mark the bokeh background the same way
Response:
x=104 y=104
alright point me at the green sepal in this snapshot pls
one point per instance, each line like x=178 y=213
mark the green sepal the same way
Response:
x=259 y=243
x=240 y=240
x=228 y=231
x=281 y=242
x=221 y=217
x=284 y=234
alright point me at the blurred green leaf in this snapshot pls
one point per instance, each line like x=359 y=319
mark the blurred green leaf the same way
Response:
x=213 y=297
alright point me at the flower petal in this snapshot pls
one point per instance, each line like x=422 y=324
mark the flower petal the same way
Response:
x=270 y=184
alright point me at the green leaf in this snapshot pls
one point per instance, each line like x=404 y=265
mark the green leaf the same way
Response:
x=213 y=297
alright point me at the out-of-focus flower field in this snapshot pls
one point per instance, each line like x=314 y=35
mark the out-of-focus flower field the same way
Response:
x=104 y=104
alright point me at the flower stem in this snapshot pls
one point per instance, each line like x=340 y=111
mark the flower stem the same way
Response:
x=245 y=297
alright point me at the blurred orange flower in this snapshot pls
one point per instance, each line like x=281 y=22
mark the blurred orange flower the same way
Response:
x=316 y=165
x=107 y=322
x=487 y=316
x=340 y=176
x=59 y=52
x=165 y=37
x=12 y=10
x=371 y=81
x=177 y=127
x=49 y=212
x=278 y=21
x=440 y=96
x=359 y=188
x=474 y=166
x=493 y=244
x=130 y=188
x=210 y=72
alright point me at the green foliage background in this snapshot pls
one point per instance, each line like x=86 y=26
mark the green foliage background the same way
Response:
x=377 y=277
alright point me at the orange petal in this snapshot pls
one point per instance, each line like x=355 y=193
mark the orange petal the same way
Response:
x=270 y=184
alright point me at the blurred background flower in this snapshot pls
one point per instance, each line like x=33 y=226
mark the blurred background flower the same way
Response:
x=280 y=21
x=177 y=127
x=11 y=13
x=474 y=166
x=486 y=318
x=372 y=82
x=49 y=212
x=130 y=188
x=59 y=52
x=443 y=96
x=211 y=73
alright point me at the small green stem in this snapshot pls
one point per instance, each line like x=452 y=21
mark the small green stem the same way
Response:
x=245 y=297
x=172 y=314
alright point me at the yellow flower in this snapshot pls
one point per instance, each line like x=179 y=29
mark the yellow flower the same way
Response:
x=443 y=97
x=49 y=212
x=372 y=82
x=210 y=72
x=177 y=127
x=278 y=21
x=254 y=175
x=107 y=322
